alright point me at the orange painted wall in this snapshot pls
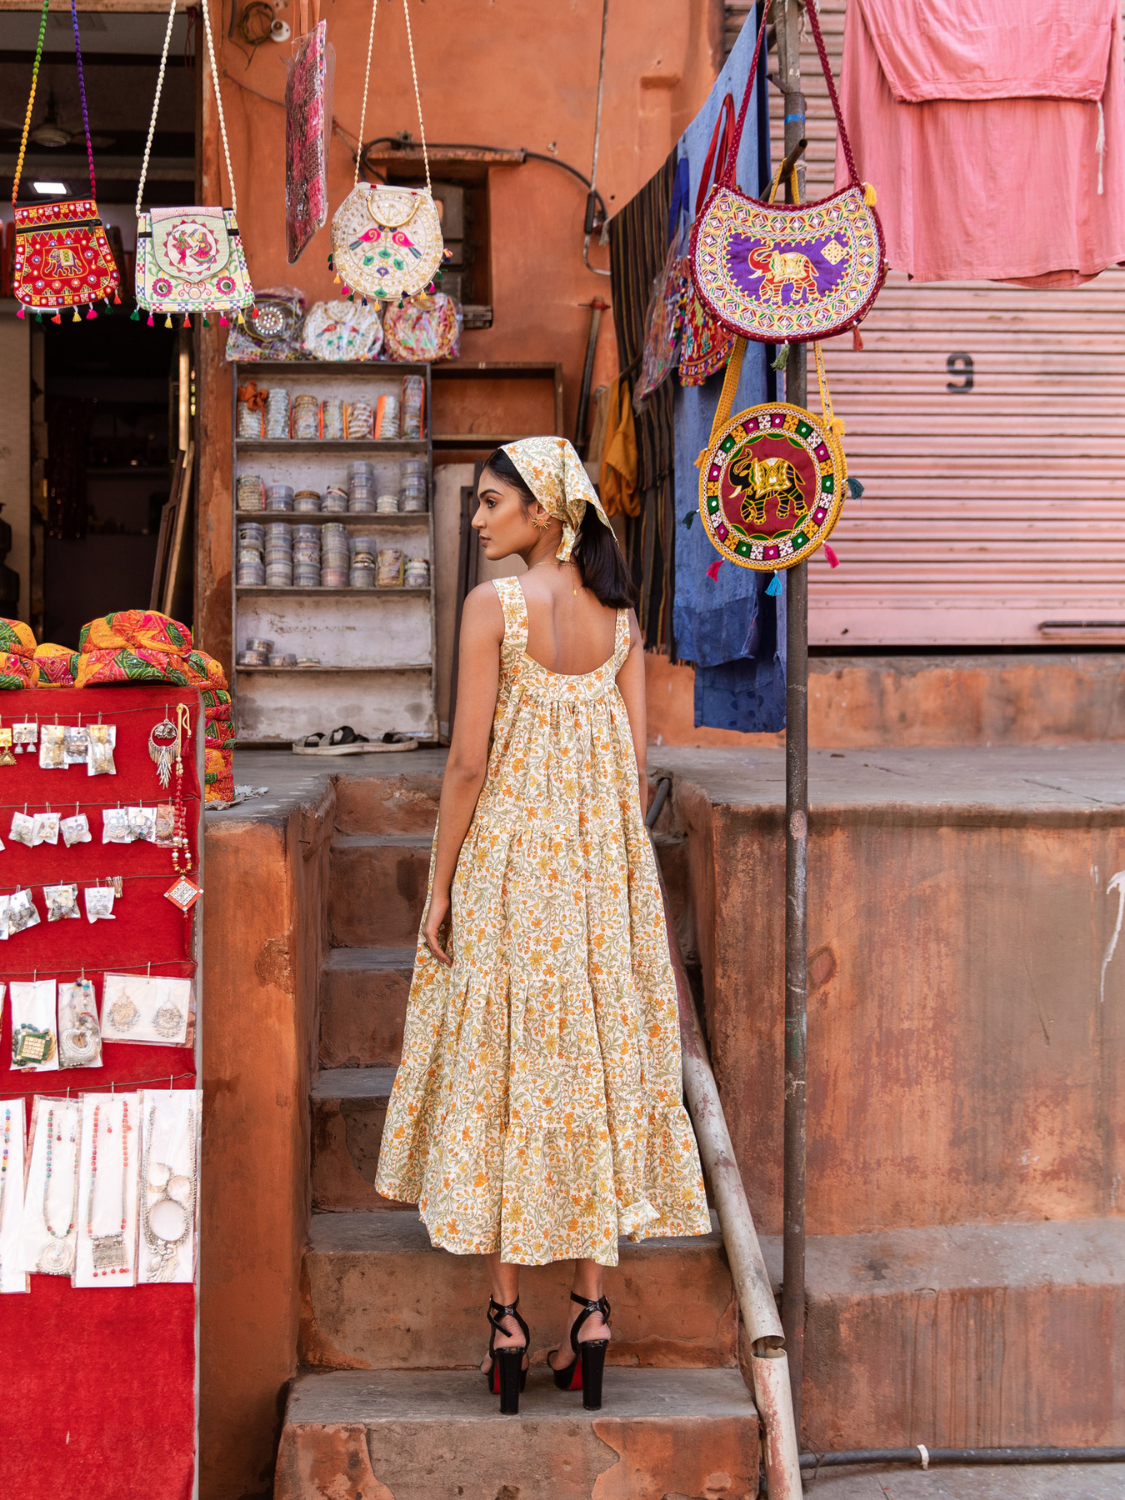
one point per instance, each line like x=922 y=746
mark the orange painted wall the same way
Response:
x=492 y=72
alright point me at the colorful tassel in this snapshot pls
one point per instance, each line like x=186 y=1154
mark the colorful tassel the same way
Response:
x=39 y=317
x=223 y=321
x=688 y=519
x=19 y=314
x=330 y=260
x=833 y=560
x=205 y=322
x=168 y=321
x=187 y=320
x=150 y=320
x=58 y=317
x=774 y=586
x=76 y=318
x=116 y=298
x=869 y=195
x=836 y=425
x=90 y=313
x=855 y=488
x=134 y=316
x=437 y=275
x=713 y=570
x=782 y=358
x=336 y=280
x=857 y=337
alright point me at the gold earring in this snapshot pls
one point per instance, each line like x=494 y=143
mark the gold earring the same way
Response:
x=543 y=524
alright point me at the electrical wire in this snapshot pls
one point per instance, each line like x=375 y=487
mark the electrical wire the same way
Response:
x=592 y=223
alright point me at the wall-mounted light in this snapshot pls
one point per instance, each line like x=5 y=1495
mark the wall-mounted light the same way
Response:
x=48 y=189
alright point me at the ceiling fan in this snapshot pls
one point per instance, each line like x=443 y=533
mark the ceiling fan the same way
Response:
x=51 y=134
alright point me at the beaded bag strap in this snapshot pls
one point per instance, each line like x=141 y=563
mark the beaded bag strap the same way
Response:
x=727 y=178
x=218 y=105
x=417 y=94
x=31 y=99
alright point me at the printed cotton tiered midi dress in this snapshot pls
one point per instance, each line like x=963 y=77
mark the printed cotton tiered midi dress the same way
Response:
x=538 y=1109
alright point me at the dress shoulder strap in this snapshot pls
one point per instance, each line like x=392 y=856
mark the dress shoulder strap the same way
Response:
x=621 y=640
x=514 y=605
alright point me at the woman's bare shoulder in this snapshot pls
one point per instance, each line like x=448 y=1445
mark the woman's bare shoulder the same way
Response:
x=483 y=614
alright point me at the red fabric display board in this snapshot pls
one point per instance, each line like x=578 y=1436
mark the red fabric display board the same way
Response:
x=98 y=1385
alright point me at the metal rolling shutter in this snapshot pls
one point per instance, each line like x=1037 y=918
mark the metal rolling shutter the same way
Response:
x=993 y=515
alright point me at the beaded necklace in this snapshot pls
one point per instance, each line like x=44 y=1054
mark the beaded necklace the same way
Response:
x=57 y=1258
x=163 y=1248
x=109 y=1249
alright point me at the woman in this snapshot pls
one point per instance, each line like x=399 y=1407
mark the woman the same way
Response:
x=537 y=1113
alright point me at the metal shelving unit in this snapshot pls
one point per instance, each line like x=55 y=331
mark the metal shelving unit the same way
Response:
x=376 y=646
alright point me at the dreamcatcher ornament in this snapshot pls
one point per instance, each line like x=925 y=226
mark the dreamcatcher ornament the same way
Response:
x=386 y=238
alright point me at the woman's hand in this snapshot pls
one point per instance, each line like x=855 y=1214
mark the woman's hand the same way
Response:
x=437 y=918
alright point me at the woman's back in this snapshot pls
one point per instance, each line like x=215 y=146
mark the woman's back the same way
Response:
x=568 y=631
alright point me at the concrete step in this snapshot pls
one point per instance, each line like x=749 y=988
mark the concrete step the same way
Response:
x=387 y=804
x=363 y=994
x=377 y=888
x=377 y=1295
x=660 y=1435
x=349 y=1106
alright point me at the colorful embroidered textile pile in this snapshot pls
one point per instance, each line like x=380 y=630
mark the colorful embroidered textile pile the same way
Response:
x=17 y=655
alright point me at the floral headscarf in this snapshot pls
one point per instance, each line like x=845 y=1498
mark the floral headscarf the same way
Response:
x=554 y=473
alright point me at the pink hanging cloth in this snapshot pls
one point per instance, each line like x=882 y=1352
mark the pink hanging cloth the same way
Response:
x=993 y=132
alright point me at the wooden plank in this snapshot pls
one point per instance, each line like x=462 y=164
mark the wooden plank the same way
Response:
x=175 y=550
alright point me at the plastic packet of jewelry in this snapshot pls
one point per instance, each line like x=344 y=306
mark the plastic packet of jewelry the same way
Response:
x=49 y=1225
x=165 y=825
x=147 y=1008
x=52 y=751
x=103 y=737
x=22 y=912
x=6 y=759
x=99 y=903
x=169 y=1185
x=75 y=830
x=76 y=744
x=108 y=1183
x=22 y=830
x=25 y=735
x=115 y=826
x=34 y=1042
x=142 y=822
x=80 y=1036
x=45 y=828
x=11 y=1200
x=62 y=901
x=5 y=908
x=118 y=885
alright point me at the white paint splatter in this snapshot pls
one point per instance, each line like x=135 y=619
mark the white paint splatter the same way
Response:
x=1117 y=883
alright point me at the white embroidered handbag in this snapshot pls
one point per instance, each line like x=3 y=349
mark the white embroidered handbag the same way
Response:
x=190 y=260
x=386 y=238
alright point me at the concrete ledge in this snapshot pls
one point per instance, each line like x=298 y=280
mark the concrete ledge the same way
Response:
x=377 y=1295
x=661 y=1434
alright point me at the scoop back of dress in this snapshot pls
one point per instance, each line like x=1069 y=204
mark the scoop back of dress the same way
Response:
x=538 y=1107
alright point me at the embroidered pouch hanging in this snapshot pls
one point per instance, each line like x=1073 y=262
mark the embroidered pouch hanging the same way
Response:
x=772 y=478
x=704 y=345
x=386 y=238
x=190 y=260
x=784 y=272
x=62 y=257
x=308 y=114
x=663 y=321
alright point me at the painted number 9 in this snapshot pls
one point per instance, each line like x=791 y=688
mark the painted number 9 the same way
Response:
x=960 y=364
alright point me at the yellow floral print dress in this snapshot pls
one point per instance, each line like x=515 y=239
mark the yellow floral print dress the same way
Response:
x=538 y=1109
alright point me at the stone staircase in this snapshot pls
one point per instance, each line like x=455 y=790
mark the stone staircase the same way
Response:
x=389 y=1404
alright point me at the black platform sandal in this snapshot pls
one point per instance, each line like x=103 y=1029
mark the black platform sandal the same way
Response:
x=585 y=1374
x=506 y=1375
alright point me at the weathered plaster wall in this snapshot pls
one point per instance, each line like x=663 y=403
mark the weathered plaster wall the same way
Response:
x=492 y=72
x=264 y=938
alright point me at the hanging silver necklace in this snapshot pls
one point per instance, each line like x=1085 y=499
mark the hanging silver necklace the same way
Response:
x=167 y=1224
x=109 y=1249
x=57 y=1258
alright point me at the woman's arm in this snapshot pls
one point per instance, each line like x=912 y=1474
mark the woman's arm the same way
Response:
x=478 y=681
x=631 y=682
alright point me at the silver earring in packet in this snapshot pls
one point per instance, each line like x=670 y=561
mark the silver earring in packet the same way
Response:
x=25 y=736
x=103 y=738
x=76 y=744
x=165 y=830
x=62 y=901
x=99 y=903
x=52 y=747
x=115 y=826
x=80 y=1037
x=75 y=830
x=142 y=823
x=22 y=830
x=22 y=912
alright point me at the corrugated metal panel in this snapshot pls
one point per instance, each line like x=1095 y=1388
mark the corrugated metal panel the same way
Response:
x=988 y=512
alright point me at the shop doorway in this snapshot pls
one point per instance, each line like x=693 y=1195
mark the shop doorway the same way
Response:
x=110 y=397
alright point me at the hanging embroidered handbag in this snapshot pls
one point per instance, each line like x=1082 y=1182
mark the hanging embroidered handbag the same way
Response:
x=772 y=478
x=190 y=260
x=62 y=257
x=386 y=238
x=704 y=345
x=786 y=272
x=308 y=117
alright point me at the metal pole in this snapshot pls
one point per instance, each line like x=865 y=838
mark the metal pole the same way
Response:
x=787 y=17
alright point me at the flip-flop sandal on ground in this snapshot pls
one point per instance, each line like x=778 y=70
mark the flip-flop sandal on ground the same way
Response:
x=345 y=741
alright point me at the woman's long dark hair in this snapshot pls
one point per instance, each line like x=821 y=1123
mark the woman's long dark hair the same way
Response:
x=596 y=552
